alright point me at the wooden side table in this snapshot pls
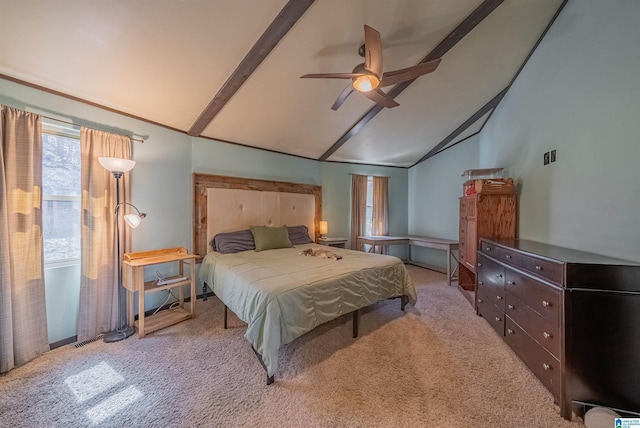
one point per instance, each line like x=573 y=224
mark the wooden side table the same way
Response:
x=333 y=242
x=133 y=280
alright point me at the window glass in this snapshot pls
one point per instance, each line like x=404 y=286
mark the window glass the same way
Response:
x=61 y=197
x=369 y=214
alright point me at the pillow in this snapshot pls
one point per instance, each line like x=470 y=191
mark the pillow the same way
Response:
x=299 y=235
x=268 y=238
x=233 y=242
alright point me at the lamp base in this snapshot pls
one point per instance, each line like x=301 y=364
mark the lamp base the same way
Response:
x=118 y=335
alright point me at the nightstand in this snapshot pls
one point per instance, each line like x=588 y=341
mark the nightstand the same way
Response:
x=133 y=267
x=333 y=242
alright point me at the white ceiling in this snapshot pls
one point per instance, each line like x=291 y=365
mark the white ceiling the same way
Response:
x=164 y=61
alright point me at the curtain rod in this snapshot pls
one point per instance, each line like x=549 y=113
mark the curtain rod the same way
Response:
x=370 y=175
x=78 y=126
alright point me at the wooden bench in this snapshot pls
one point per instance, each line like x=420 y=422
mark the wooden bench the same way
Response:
x=381 y=242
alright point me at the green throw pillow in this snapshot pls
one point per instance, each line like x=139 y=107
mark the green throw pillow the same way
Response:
x=268 y=238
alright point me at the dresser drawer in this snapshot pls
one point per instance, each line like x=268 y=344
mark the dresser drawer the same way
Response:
x=492 y=250
x=540 y=329
x=540 y=362
x=540 y=297
x=491 y=280
x=547 y=269
x=489 y=312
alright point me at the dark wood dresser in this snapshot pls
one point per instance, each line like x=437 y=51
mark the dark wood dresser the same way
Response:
x=572 y=317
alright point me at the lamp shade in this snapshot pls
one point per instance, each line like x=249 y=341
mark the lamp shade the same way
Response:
x=133 y=220
x=116 y=164
x=324 y=228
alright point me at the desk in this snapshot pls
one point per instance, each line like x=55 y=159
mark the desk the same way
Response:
x=333 y=242
x=133 y=280
x=418 y=241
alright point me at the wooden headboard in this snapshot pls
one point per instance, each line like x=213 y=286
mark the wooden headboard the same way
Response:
x=203 y=182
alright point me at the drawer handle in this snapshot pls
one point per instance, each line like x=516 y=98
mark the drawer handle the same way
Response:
x=509 y=331
x=488 y=248
x=546 y=366
x=546 y=304
x=547 y=335
x=511 y=283
x=499 y=275
x=508 y=256
x=480 y=283
x=498 y=319
x=479 y=264
x=511 y=306
x=480 y=300
x=499 y=297
x=538 y=267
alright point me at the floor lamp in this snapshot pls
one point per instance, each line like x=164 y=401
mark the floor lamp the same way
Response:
x=117 y=167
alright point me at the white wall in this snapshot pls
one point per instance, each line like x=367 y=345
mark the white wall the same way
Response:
x=434 y=188
x=578 y=94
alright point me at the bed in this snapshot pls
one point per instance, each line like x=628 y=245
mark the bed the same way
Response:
x=279 y=293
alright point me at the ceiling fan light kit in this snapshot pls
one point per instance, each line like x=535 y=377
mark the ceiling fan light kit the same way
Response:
x=366 y=83
x=368 y=78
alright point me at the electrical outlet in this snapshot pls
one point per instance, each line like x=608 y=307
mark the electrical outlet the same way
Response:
x=553 y=156
x=546 y=158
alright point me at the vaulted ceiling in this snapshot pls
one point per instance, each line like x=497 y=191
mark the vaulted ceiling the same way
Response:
x=230 y=70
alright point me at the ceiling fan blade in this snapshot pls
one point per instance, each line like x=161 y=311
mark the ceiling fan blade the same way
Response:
x=372 y=51
x=331 y=76
x=381 y=98
x=393 y=77
x=342 y=97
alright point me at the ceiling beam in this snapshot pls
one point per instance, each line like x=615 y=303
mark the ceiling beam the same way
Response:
x=473 y=118
x=460 y=129
x=288 y=16
x=443 y=47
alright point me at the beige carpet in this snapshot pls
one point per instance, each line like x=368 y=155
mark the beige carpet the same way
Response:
x=437 y=365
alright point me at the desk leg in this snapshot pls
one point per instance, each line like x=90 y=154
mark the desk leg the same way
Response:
x=449 y=265
x=192 y=268
x=141 y=311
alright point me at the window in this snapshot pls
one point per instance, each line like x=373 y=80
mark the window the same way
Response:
x=369 y=213
x=61 y=189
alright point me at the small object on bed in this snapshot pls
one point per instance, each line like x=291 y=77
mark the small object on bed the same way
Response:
x=233 y=242
x=270 y=238
x=320 y=253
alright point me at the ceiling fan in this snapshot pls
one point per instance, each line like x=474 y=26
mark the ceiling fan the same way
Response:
x=367 y=78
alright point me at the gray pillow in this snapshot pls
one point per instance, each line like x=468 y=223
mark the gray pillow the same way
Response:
x=299 y=235
x=268 y=238
x=233 y=242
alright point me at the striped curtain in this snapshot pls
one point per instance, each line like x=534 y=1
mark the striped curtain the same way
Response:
x=358 y=208
x=23 y=318
x=380 y=215
x=100 y=294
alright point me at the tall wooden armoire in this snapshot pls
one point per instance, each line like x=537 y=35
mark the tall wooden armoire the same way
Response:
x=489 y=211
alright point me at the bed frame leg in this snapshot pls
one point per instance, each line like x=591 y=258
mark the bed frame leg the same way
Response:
x=356 y=319
x=403 y=302
x=270 y=379
x=204 y=292
x=225 y=316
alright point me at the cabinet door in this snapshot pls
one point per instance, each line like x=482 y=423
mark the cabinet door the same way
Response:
x=471 y=245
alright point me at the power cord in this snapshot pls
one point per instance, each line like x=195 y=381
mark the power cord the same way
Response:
x=169 y=295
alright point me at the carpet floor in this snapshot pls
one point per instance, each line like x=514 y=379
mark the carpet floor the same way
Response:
x=435 y=365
